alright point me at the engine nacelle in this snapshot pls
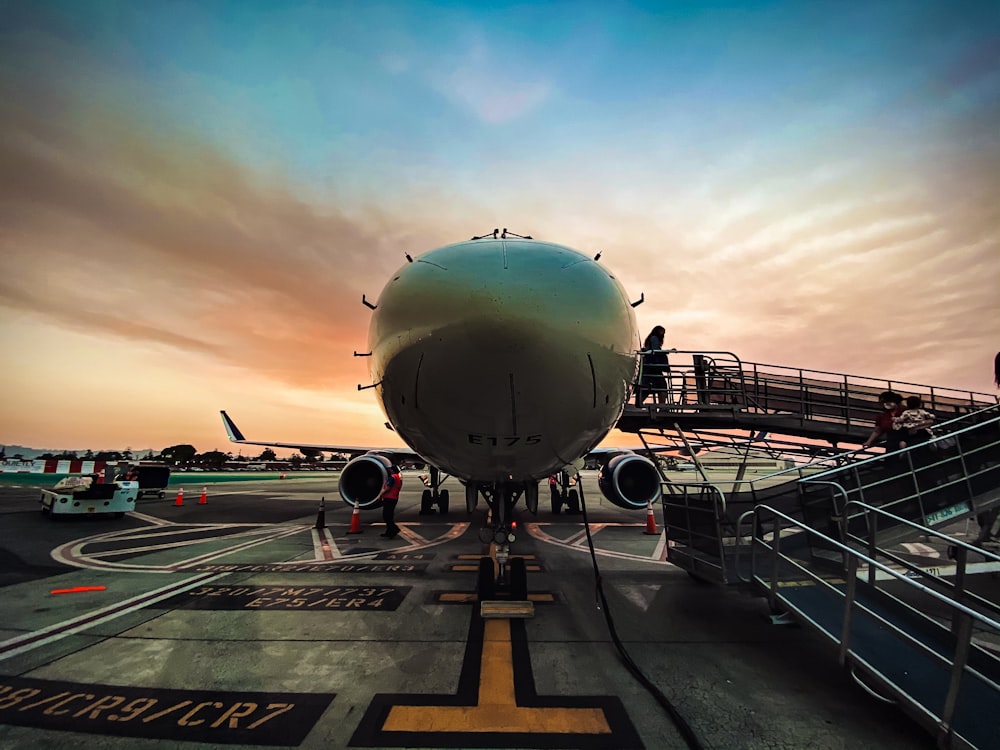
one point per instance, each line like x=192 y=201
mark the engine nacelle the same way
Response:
x=629 y=481
x=362 y=479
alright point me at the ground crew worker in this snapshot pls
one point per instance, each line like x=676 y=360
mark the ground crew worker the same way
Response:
x=389 y=495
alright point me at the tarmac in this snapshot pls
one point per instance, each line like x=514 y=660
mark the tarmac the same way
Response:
x=237 y=623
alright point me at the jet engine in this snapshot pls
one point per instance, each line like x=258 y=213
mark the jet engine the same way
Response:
x=629 y=481
x=362 y=479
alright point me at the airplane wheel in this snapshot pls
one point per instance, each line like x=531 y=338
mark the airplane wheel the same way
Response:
x=486 y=585
x=471 y=496
x=518 y=579
x=426 y=503
x=573 y=502
x=443 y=501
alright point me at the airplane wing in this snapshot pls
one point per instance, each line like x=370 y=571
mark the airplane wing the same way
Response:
x=396 y=455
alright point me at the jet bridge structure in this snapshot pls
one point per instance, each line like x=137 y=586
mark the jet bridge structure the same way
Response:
x=819 y=538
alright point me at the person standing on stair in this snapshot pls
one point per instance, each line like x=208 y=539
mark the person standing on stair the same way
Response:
x=892 y=407
x=914 y=423
x=655 y=368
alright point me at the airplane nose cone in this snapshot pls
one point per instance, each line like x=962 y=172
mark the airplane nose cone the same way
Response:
x=502 y=342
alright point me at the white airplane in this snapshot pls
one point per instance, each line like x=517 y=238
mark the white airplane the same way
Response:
x=501 y=361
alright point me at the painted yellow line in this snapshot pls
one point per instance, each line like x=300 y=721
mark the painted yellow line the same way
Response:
x=457 y=598
x=496 y=710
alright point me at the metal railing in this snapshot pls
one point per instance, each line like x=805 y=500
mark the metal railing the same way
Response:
x=954 y=474
x=684 y=381
x=968 y=672
x=960 y=552
x=702 y=518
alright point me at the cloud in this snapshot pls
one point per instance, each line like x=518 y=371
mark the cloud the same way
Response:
x=116 y=224
x=494 y=91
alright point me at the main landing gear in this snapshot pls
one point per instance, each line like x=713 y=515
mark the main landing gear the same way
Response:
x=433 y=495
x=563 y=496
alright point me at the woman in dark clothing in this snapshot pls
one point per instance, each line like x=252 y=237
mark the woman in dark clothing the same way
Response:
x=654 y=368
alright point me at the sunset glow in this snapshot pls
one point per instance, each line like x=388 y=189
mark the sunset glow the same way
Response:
x=196 y=195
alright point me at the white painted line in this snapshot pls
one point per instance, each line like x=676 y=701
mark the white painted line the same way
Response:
x=37 y=638
x=918 y=548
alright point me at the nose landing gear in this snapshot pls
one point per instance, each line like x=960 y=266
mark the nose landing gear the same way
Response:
x=501 y=575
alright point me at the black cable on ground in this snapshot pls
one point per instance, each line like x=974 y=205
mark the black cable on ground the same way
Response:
x=679 y=721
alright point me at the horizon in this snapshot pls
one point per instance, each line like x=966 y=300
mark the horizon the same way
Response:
x=197 y=196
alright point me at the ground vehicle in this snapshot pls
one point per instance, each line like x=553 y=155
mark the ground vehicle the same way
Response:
x=153 y=479
x=81 y=497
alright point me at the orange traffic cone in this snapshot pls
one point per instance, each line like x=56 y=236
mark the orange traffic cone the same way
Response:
x=355 y=520
x=180 y=498
x=203 y=500
x=650 y=520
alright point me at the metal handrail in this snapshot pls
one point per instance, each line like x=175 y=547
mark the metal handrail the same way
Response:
x=961 y=553
x=943 y=431
x=671 y=498
x=956 y=474
x=923 y=529
x=723 y=363
x=963 y=616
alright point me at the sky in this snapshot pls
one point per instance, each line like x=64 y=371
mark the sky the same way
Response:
x=196 y=195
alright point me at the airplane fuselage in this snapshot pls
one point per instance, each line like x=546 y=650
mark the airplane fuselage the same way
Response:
x=503 y=359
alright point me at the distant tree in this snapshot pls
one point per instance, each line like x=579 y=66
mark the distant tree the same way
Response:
x=107 y=456
x=149 y=456
x=46 y=456
x=296 y=460
x=212 y=459
x=178 y=454
x=66 y=456
x=267 y=455
x=127 y=454
x=89 y=455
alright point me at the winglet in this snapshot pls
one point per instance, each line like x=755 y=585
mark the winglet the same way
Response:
x=231 y=429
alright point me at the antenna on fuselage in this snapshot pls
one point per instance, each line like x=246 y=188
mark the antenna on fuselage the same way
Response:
x=366 y=303
x=408 y=257
x=598 y=256
x=519 y=236
x=642 y=298
x=494 y=233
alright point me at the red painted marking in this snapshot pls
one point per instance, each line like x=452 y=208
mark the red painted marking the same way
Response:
x=325 y=544
x=78 y=589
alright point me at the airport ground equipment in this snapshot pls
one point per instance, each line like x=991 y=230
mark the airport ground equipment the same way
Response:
x=954 y=476
x=153 y=479
x=115 y=498
x=906 y=635
x=818 y=541
x=719 y=391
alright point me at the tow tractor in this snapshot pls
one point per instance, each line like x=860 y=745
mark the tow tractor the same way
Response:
x=84 y=495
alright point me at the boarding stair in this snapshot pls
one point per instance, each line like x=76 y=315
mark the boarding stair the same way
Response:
x=718 y=391
x=820 y=540
x=915 y=638
x=954 y=476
